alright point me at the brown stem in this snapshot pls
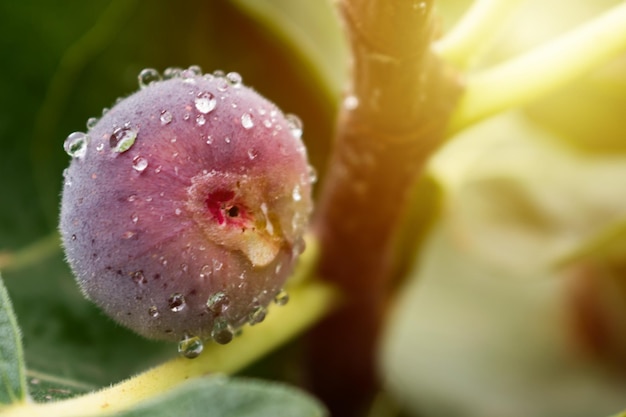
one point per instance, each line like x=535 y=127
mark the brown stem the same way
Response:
x=405 y=96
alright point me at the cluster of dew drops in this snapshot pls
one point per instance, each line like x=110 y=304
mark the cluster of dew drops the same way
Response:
x=191 y=346
x=123 y=138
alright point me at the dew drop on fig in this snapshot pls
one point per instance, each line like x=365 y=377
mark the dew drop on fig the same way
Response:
x=205 y=102
x=257 y=315
x=234 y=78
x=194 y=71
x=295 y=125
x=91 y=122
x=176 y=302
x=166 y=117
x=222 y=332
x=190 y=347
x=246 y=121
x=148 y=76
x=200 y=120
x=153 y=312
x=218 y=303
x=139 y=278
x=281 y=298
x=171 y=72
x=140 y=164
x=76 y=145
x=122 y=139
x=297 y=196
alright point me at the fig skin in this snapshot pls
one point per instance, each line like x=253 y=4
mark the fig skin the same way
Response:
x=206 y=205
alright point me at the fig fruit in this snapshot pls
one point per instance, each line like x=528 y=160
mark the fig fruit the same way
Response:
x=184 y=206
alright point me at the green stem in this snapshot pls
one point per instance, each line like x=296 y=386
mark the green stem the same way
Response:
x=309 y=302
x=31 y=254
x=542 y=70
x=474 y=31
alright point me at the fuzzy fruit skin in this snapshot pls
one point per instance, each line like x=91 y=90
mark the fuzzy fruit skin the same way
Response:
x=136 y=239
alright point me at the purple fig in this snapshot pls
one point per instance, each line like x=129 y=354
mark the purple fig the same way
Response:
x=184 y=206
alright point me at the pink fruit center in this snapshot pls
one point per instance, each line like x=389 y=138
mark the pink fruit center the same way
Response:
x=220 y=205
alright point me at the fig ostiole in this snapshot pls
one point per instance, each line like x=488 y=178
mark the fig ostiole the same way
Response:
x=184 y=207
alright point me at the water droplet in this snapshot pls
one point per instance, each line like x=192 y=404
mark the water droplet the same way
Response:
x=122 y=139
x=92 y=122
x=295 y=125
x=178 y=211
x=166 y=118
x=132 y=197
x=252 y=154
x=76 y=144
x=176 y=302
x=200 y=120
x=138 y=278
x=218 y=303
x=134 y=218
x=209 y=139
x=217 y=265
x=148 y=76
x=73 y=237
x=281 y=298
x=184 y=268
x=296 y=193
x=205 y=271
x=194 y=70
x=153 y=311
x=222 y=332
x=205 y=102
x=246 y=121
x=105 y=111
x=140 y=163
x=100 y=147
x=312 y=174
x=267 y=123
x=257 y=315
x=222 y=84
x=227 y=139
x=172 y=72
x=351 y=102
x=190 y=347
x=234 y=78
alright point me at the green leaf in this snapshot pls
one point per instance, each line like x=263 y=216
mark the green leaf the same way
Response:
x=229 y=397
x=67 y=337
x=12 y=379
x=44 y=387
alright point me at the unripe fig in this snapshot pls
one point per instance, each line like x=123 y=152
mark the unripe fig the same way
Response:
x=184 y=206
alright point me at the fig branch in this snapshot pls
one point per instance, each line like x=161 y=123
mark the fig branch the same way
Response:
x=394 y=117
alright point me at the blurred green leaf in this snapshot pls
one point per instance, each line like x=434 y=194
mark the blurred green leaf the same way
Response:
x=311 y=31
x=67 y=337
x=45 y=387
x=221 y=397
x=12 y=379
